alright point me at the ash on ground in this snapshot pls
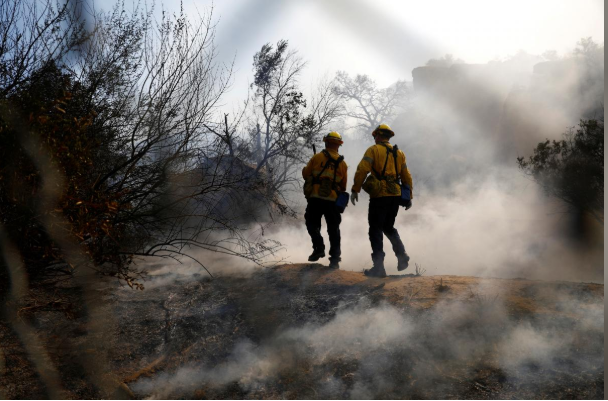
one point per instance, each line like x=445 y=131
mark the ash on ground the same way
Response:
x=307 y=331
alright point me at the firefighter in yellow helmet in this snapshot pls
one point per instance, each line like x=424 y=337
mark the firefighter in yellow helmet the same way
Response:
x=324 y=178
x=386 y=166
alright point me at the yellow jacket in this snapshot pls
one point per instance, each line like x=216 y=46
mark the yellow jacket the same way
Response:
x=314 y=167
x=375 y=157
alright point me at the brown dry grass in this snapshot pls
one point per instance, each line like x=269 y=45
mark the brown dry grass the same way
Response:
x=520 y=295
x=147 y=341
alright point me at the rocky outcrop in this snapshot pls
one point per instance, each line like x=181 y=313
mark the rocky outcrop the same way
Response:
x=513 y=104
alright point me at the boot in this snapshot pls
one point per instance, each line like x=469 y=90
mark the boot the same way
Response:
x=373 y=272
x=378 y=269
x=316 y=255
x=402 y=262
x=334 y=263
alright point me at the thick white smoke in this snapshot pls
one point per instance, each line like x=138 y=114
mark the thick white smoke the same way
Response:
x=384 y=343
x=499 y=226
x=475 y=213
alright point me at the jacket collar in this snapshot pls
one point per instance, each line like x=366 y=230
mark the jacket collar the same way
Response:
x=333 y=153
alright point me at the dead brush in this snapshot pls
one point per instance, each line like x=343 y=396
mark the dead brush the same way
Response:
x=419 y=270
x=38 y=300
x=483 y=301
x=410 y=294
x=441 y=287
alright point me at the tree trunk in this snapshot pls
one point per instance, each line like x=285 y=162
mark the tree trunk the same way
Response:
x=258 y=150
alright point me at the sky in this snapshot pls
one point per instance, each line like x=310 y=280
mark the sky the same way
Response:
x=386 y=39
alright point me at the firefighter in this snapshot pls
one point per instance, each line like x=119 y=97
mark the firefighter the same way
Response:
x=324 y=177
x=385 y=166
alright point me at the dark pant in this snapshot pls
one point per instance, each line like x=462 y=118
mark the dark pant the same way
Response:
x=381 y=217
x=316 y=209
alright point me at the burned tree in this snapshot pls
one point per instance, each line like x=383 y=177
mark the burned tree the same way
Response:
x=284 y=123
x=35 y=35
x=120 y=128
x=366 y=104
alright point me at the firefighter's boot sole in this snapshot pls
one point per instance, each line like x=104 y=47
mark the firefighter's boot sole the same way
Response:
x=316 y=255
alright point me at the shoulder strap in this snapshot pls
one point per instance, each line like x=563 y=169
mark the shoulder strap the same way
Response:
x=326 y=153
x=376 y=173
x=397 y=171
x=336 y=164
x=385 y=161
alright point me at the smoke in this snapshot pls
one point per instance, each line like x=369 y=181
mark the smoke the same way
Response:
x=161 y=272
x=379 y=351
x=474 y=212
x=499 y=225
x=528 y=346
x=357 y=332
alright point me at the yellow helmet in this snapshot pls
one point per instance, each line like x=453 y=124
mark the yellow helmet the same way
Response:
x=334 y=137
x=383 y=129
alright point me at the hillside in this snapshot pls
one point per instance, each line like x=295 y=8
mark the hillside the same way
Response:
x=305 y=331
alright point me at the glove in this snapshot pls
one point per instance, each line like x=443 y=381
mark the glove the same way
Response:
x=409 y=205
x=354 y=197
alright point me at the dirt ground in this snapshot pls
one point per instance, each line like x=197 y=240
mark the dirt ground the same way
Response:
x=307 y=331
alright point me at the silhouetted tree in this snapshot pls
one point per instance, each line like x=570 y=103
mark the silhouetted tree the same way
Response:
x=367 y=104
x=105 y=140
x=285 y=123
x=572 y=169
x=32 y=35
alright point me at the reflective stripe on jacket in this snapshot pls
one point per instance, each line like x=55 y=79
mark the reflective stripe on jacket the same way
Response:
x=375 y=157
x=314 y=167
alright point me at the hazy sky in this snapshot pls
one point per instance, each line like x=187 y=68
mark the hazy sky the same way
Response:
x=387 y=38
